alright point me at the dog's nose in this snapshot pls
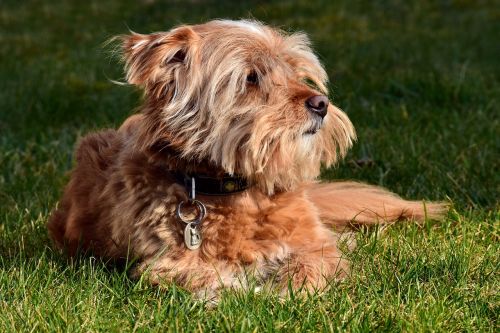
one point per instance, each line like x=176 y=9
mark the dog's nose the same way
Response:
x=317 y=105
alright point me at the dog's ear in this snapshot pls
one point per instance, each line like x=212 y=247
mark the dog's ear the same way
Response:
x=154 y=57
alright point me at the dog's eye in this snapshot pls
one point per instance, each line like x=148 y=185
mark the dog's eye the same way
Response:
x=309 y=82
x=252 y=78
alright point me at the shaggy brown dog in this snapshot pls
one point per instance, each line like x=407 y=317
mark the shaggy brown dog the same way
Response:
x=241 y=108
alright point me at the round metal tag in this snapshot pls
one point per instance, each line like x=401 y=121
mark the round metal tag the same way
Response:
x=202 y=211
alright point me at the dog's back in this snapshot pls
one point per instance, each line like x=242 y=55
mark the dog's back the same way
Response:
x=74 y=223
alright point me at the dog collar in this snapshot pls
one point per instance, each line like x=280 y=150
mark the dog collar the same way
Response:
x=207 y=185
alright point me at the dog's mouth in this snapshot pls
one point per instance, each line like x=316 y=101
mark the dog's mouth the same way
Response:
x=314 y=128
x=311 y=131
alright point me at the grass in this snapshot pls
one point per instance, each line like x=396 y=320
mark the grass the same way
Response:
x=420 y=81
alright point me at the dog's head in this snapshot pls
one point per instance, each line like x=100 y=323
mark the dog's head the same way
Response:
x=243 y=96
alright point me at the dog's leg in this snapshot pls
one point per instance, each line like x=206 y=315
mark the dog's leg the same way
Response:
x=310 y=267
x=205 y=280
x=344 y=203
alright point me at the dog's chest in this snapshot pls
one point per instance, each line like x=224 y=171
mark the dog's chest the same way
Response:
x=238 y=232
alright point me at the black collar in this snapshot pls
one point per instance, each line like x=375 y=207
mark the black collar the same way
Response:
x=208 y=185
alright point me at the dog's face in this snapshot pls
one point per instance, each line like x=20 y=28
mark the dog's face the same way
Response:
x=243 y=96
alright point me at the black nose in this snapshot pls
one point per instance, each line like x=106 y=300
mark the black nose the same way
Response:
x=317 y=105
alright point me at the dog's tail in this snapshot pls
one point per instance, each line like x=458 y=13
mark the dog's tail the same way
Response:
x=348 y=203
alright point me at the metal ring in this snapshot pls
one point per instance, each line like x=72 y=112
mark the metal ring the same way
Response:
x=201 y=208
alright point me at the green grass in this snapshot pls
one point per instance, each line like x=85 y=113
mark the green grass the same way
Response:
x=420 y=81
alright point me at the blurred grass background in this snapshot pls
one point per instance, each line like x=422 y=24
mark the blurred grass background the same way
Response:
x=420 y=80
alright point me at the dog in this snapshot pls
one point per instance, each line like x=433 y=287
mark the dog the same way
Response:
x=215 y=176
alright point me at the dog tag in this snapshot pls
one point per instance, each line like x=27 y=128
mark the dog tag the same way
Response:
x=192 y=236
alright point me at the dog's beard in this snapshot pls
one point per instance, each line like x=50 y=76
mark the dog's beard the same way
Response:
x=281 y=158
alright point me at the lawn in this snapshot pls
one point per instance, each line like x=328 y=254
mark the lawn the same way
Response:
x=420 y=80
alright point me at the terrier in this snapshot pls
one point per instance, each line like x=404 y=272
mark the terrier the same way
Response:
x=215 y=177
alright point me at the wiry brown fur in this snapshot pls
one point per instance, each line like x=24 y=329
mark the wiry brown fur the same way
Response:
x=201 y=115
